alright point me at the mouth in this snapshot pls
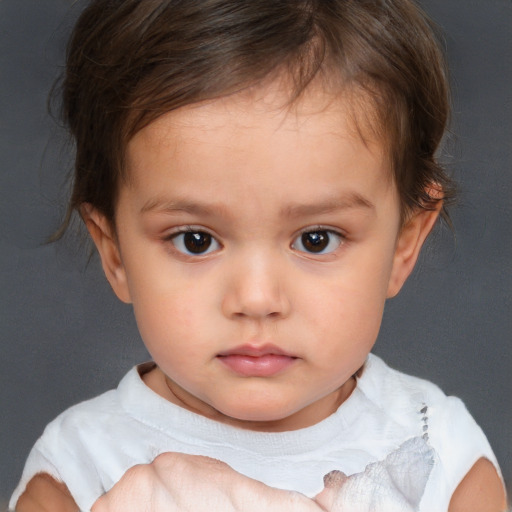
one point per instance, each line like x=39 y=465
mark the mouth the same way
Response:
x=255 y=361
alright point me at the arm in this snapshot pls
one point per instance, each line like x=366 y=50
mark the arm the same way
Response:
x=44 y=494
x=200 y=479
x=481 y=490
x=197 y=484
x=177 y=482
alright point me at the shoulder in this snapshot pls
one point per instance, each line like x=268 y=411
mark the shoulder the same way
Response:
x=402 y=396
x=93 y=429
x=81 y=419
x=384 y=382
x=399 y=392
x=462 y=451
x=451 y=428
x=100 y=415
x=72 y=445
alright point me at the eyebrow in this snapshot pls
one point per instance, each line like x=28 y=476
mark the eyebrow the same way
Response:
x=161 y=205
x=344 y=202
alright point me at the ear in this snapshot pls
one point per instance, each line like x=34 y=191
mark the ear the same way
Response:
x=410 y=240
x=104 y=238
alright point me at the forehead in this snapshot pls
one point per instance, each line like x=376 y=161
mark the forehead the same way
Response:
x=258 y=114
x=252 y=159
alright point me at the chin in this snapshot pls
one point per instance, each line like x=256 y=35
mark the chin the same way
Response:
x=264 y=417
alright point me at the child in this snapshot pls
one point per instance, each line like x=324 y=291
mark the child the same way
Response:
x=258 y=177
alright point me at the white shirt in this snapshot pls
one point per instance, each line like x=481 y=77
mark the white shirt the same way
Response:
x=390 y=421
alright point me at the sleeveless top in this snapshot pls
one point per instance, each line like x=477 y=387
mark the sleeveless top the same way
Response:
x=404 y=445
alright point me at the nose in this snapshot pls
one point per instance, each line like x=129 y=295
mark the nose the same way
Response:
x=255 y=288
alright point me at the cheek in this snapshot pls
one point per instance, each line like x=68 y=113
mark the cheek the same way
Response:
x=352 y=316
x=347 y=309
x=173 y=334
x=168 y=311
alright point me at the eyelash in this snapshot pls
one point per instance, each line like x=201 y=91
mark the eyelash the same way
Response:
x=333 y=236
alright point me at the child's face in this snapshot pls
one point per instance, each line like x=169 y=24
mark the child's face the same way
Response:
x=258 y=246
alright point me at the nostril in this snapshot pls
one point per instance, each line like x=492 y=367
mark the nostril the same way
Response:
x=242 y=314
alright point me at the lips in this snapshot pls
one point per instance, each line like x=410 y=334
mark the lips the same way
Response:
x=252 y=361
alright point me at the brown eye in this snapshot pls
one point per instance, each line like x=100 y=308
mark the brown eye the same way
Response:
x=315 y=241
x=195 y=242
x=321 y=241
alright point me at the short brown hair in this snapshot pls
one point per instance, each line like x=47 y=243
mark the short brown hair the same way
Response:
x=130 y=61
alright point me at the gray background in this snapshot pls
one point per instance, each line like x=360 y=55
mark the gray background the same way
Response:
x=66 y=338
